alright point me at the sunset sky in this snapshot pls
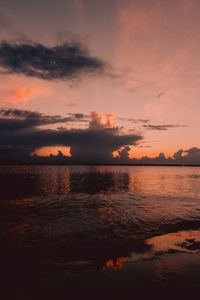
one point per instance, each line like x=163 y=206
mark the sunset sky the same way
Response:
x=135 y=76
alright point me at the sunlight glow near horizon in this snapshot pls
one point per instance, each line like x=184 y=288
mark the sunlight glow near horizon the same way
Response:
x=46 y=151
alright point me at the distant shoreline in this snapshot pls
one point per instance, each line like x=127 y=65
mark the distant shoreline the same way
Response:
x=96 y=164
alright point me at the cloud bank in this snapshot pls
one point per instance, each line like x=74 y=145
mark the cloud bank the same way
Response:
x=16 y=119
x=181 y=157
x=21 y=134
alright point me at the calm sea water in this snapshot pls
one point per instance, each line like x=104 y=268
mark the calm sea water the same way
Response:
x=98 y=228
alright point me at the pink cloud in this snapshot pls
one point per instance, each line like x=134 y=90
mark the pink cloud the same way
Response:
x=15 y=90
x=18 y=95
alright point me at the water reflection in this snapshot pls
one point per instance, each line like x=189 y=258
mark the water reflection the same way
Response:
x=186 y=241
x=91 y=182
x=78 y=218
x=37 y=180
x=107 y=211
x=114 y=264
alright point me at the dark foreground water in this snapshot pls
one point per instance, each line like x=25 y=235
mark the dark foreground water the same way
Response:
x=73 y=232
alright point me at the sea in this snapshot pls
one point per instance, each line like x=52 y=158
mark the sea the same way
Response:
x=73 y=232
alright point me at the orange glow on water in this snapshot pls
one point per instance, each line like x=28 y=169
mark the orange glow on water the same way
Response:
x=114 y=264
x=176 y=241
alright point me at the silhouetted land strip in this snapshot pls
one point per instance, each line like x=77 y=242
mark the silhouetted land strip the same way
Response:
x=93 y=164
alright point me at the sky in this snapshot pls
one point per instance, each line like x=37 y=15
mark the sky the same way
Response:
x=100 y=80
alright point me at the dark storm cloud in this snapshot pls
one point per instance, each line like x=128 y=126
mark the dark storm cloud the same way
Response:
x=66 y=61
x=20 y=136
x=124 y=153
x=162 y=127
x=98 y=145
x=15 y=119
x=86 y=145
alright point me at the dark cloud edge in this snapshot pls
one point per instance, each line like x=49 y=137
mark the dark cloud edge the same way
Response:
x=17 y=119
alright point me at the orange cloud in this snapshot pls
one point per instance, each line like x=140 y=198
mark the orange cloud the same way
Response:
x=99 y=122
x=18 y=95
x=16 y=90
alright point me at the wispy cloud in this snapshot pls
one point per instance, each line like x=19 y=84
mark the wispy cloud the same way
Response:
x=162 y=127
x=134 y=120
